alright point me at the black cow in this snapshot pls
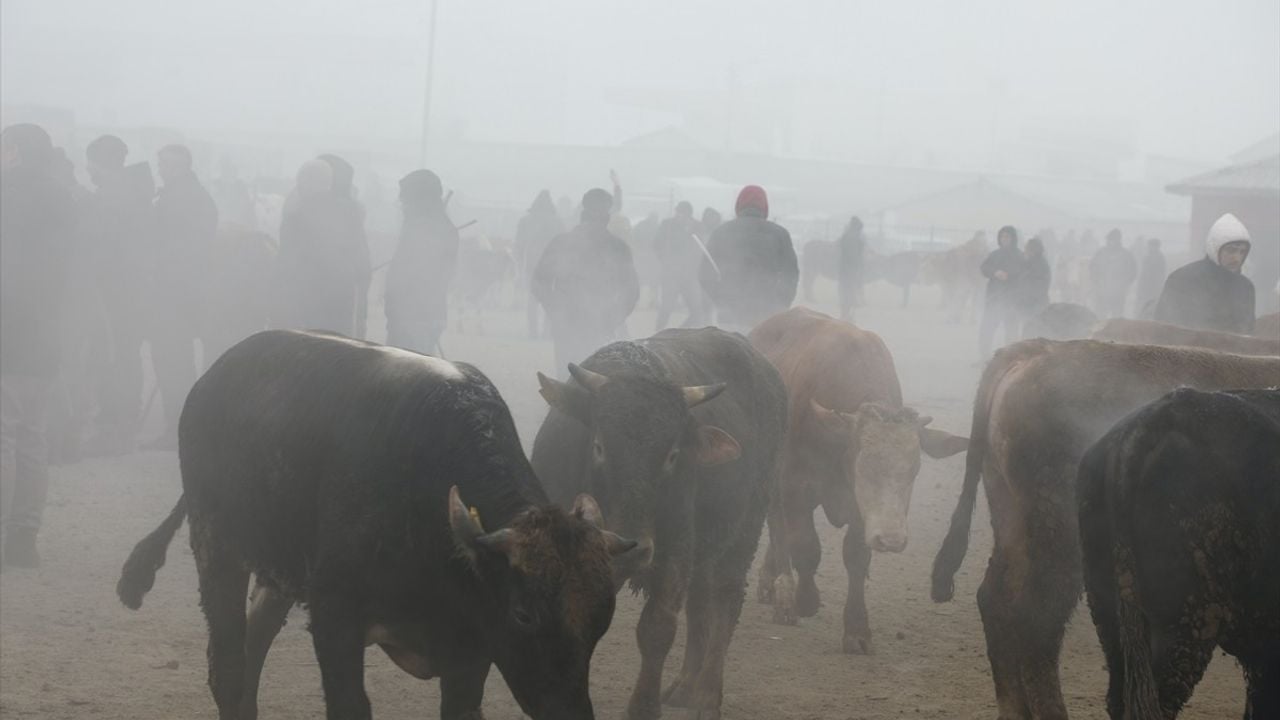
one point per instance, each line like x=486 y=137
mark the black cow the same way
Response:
x=679 y=436
x=1180 y=528
x=324 y=466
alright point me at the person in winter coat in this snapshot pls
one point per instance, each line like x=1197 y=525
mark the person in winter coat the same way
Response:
x=121 y=235
x=323 y=256
x=356 y=242
x=37 y=224
x=1112 y=271
x=422 y=268
x=679 y=250
x=751 y=272
x=186 y=228
x=1003 y=269
x=535 y=231
x=1151 y=275
x=586 y=281
x=1033 y=284
x=710 y=220
x=1211 y=293
x=853 y=249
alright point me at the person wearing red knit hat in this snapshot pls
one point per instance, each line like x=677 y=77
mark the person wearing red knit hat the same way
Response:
x=750 y=270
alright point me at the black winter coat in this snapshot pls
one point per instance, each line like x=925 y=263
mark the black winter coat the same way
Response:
x=1207 y=296
x=586 y=280
x=755 y=272
x=1013 y=263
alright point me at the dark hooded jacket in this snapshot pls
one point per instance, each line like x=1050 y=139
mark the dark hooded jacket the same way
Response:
x=426 y=257
x=586 y=280
x=754 y=274
x=186 y=227
x=37 y=226
x=1011 y=260
x=535 y=232
x=1206 y=296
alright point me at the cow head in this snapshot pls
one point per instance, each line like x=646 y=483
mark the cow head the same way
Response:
x=880 y=450
x=547 y=598
x=644 y=446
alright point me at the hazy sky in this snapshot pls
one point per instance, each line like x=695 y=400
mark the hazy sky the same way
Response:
x=852 y=79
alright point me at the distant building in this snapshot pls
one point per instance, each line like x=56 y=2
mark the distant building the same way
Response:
x=1250 y=191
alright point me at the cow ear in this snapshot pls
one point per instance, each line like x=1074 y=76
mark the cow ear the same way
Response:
x=938 y=444
x=586 y=508
x=715 y=446
x=568 y=399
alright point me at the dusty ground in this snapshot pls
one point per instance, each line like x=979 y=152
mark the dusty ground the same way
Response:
x=68 y=649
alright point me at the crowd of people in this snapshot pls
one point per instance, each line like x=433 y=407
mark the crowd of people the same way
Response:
x=93 y=278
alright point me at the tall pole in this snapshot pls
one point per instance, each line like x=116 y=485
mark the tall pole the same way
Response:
x=426 y=100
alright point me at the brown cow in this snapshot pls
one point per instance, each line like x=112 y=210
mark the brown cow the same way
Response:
x=851 y=447
x=957 y=272
x=1147 y=332
x=1039 y=406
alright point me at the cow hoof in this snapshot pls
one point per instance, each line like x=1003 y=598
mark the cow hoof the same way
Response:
x=857 y=645
x=642 y=711
x=680 y=694
x=784 y=601
x=764 y=592
x=807 y=600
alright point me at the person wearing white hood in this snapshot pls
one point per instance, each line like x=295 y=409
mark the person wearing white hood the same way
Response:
x=1211 y=293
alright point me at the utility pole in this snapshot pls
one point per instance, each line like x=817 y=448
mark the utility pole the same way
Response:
x=426 y=100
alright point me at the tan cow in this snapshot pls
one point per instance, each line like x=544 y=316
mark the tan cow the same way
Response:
x=1267 y=326
x=957 y=272
x=851 y=447
x=1039 y=406
x=1147 y=332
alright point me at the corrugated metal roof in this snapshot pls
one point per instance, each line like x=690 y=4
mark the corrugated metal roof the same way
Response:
x=1256 y=178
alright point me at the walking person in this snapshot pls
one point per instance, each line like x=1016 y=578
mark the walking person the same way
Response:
x=1003 y=269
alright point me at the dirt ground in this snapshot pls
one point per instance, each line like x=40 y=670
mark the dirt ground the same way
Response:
x=68 y=649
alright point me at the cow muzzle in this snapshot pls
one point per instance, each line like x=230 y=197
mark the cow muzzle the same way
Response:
x=887 y=542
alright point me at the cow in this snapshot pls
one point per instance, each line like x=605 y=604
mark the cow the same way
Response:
x=387 y=491
x=1149 y=332
x=818 y=258
x=1267 y=326
x=1179 y=511
x=956 y=272
x=900 y=268
x=1039 y=405
x=679 y=437
x=852 y=447
x=1061 y=321
x=484 y=267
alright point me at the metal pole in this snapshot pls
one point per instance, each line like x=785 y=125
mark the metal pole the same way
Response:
x=426 y=101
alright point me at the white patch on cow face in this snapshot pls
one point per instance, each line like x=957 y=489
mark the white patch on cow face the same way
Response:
x=888 y=459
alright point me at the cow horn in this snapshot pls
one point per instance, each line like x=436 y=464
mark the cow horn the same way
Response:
x=617 y=544
x=585 y=507
x=592 y=381
x=502 y=540
x=698 y=394
x=465 y=524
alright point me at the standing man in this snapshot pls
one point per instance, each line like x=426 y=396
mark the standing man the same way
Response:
x=423 y=267
x=679 y=251
x=853 y=248
x=1151 y=277
x=751 y=272
x=1111 y=272
x=1003 y=269
x=1211 y=293
x=534 y=233
x=121 y=233
x=37 y=222
x=187 y=226
x=587 y=283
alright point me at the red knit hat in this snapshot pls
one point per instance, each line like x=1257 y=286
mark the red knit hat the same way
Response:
x=752 y=197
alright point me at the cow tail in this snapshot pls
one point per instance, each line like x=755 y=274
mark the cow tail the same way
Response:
x=139 y=572
x=956 y=543
x=1141 y=695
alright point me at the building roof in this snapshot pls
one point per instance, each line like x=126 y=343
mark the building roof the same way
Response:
x=1259 y=178
x=1264 y=148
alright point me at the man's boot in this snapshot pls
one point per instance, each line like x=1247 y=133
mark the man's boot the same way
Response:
x=20 y=548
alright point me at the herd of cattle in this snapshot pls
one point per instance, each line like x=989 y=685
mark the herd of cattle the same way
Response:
x=389 y=493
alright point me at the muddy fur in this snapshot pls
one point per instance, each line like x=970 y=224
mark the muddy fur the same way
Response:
x=1180 y=529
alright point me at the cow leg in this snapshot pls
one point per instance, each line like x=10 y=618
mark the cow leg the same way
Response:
x=461 y=693
x=857 y=561
x=223 y=587
x=1102 y=608
x=698 y=616
x=768 y=567
x=728 y=588
x=339 y=645
x=654 y=634
x=268 y=608
x=806 y=553
x=994 y=608
x=1180 y=653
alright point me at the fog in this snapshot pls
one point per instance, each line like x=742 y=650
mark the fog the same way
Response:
x=939 y=180
x=934 y=83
